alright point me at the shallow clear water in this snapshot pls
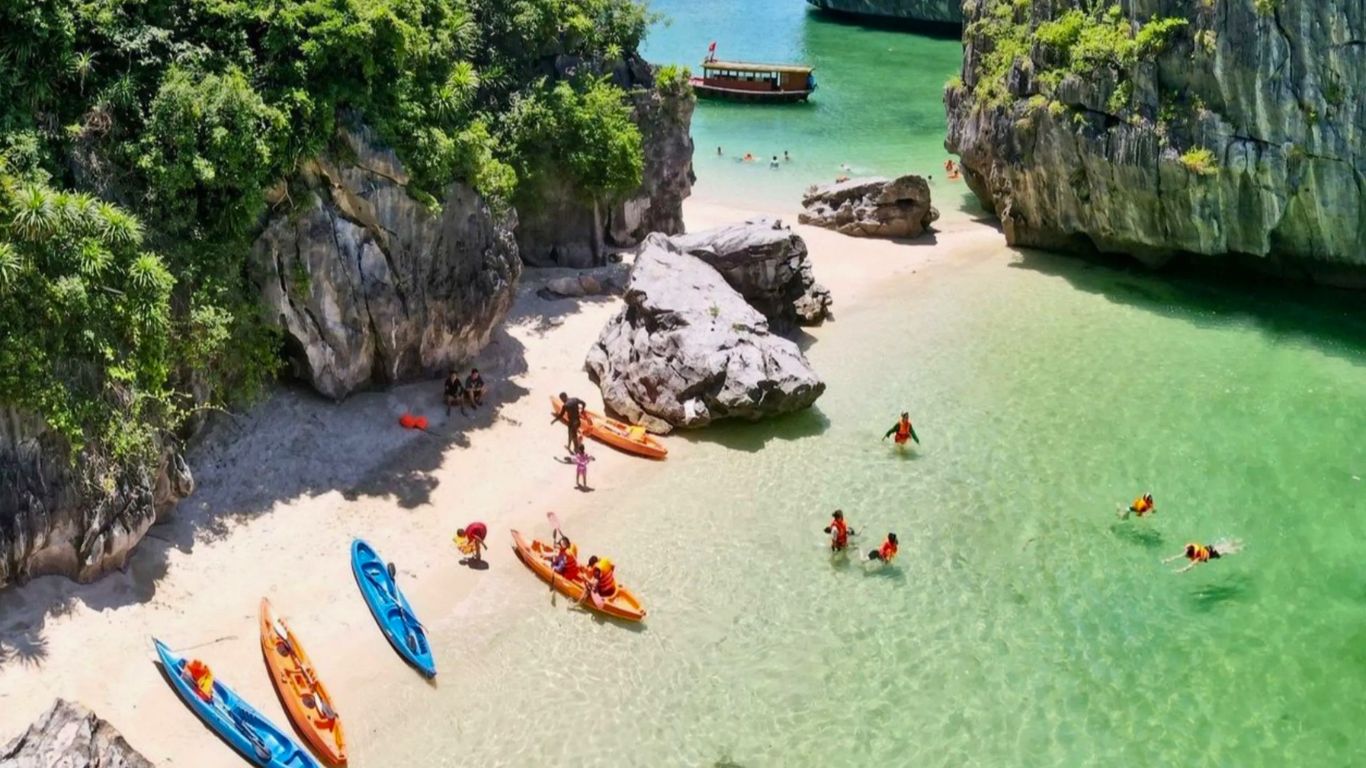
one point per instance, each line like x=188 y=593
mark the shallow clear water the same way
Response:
x=878 y=106
x=1023 y=624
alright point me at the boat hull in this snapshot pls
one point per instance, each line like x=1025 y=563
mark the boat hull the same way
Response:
x=705 y=91
x=534 y=554
x=296 y=680
x=614 y=433
x=388 y=605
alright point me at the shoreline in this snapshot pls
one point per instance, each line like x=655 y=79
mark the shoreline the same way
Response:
x=286 y=486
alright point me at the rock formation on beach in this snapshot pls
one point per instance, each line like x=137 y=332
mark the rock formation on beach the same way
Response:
x=70 y=736
x=75 y=518
x=562 y=229
x=369 y=285
x=687 y=349
x=871 y=207
x=942 y=12
x=768 y=264
x=1223 y=131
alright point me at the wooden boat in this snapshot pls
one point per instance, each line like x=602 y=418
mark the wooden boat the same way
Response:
x=537 y=555
x=306 y=701
x=745 y=81
x=618 y=434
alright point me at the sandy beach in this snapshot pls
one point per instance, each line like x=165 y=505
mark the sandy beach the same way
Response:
x=285 y=487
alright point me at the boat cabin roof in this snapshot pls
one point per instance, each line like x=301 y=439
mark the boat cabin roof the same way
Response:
x=743 y=66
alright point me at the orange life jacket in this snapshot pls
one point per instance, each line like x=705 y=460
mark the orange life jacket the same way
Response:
x=1200 y=555
x=887 y=551
x=903 y=429
x=840 y=531
x=202 y=678
x=607 y=580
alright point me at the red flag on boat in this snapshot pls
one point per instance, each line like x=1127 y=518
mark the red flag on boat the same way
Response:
x=711 y=50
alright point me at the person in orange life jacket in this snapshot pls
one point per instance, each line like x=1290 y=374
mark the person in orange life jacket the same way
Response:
x=602 y=576
x=903 y=430
x=1143 y=505
x=1198 y=553
x=566 y=560
x=839 y=532
x=886 y=552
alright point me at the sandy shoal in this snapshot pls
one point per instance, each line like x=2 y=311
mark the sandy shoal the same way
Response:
x=285 y=487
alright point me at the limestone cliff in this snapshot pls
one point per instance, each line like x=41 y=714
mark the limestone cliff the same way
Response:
x=70 y=736
x=75 y=518
x=561 y=229
x=933 y=11
x=1224 y=130
x=370 y=285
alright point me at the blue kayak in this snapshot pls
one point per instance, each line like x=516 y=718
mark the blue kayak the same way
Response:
x=245 y=729
x=391 y=608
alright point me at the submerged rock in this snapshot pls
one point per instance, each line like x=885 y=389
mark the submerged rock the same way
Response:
x=1236 y=137
x=768 y=264
x=370 y=285
x=76 y=518
x=871 y=207
x=687 y=349
x=560 y=229
x=70 y=736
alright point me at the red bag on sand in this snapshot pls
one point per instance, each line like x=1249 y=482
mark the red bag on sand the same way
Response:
x=407 y=421
x=420 y=423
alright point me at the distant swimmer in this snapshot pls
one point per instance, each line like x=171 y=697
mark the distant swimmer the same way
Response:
x=718 y=151
x=749 y=158
x=887 y=551
x=1203 y=553
x=839 y=531
x=1141 y=506
x=952 y=168
x=786 y=156
x=774 y=162
x=903 y=430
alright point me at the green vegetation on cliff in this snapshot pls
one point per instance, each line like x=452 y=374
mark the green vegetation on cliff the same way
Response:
x=182 y=114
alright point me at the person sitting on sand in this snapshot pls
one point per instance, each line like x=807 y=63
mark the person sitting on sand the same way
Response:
x=1203 y=553
x=903 y=430
x=581 y=459
x=455 y=392
x=602 y=577
x=839 y=532
x=470 y=540
x=572 y=408
x=474 y=388
x=1143 y=505
x=566 y=560
x=886 y=552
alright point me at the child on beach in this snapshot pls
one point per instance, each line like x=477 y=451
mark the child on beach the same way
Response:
x=581 y=459
x=470 y=540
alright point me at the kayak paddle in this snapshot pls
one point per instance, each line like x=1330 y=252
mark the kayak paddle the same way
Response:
x=554 y=521
x=407 y=618
x=262 y=753
x=282 y=632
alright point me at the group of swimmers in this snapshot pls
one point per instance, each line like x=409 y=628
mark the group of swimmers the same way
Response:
x=749 y=158
x=1194 y=552
x=840 y=533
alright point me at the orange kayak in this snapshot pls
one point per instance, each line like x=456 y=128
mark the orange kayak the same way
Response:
x=618 y=434
x=537 y=555
x=305 y=699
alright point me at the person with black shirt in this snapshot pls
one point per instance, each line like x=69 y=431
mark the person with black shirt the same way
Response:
x=455 y=392
x=474 y=388
x=572 y=408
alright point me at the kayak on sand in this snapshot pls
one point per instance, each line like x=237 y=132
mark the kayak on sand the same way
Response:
x=537 y=556
x=618 y=434
x=390 y=608
x=234 y=720
x=306 y=701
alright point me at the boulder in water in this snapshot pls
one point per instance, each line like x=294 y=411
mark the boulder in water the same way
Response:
x=871 y=207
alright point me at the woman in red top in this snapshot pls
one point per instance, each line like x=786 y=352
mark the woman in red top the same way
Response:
x=839 y=532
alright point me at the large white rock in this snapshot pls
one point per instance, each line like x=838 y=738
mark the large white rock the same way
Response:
x=70 y=736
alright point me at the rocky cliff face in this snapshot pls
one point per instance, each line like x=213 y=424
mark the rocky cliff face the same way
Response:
x=935 y=11
x=372 y=287
x=70 y=736
x=563 y=230
x=1224 y=130
x=78 y=519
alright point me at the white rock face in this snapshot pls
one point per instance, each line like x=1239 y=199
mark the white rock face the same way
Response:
x=70 y=736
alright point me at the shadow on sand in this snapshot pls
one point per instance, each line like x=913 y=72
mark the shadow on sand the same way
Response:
x=294 y=445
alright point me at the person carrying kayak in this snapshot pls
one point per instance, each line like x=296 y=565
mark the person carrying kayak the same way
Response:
x=903 y=430
x=1142 y=506
x=886 y=552
x=601 y=577
x=839 y=532
x=470 y=540
x=1203 y=553
x=566 y=559
x=572 y=409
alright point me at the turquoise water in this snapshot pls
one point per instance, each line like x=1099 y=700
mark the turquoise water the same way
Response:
x=1023 y=624
x=878 y=106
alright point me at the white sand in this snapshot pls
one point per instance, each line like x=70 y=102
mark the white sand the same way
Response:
x=285 y=489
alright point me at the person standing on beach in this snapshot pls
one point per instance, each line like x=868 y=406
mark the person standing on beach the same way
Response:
x=572 y=408
x=581 y=459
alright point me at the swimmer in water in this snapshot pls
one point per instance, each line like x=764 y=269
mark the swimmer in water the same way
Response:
x=1203 y=553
